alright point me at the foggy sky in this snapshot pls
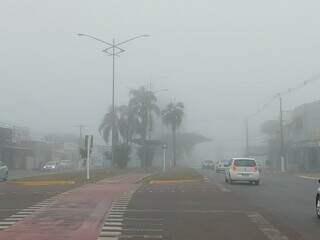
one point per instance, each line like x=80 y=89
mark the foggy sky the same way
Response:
x=223 y=59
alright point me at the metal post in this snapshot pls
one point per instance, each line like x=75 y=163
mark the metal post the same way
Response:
x=282 y=157
x=88 y=156
x=113 y=104
x=247 y=137
x=81 y=127
x=149 y=110
x=164 y=147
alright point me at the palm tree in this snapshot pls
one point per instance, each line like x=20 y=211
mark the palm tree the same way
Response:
x=105 y=128
x=143 y=104
x=123 y=132
x=172 y=116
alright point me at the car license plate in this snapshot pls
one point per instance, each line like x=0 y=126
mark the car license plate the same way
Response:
x=245 y=174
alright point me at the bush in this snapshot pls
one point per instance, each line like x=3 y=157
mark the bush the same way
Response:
x=146 y=154
x=122 y=155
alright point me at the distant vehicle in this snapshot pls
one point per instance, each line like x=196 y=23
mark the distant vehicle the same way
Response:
x=259 y=166
x=51 y=166
x=221 y=166
x=4 y=171
x=208 y=164
x=66 y=164
x=243 y=169
x=318 y=202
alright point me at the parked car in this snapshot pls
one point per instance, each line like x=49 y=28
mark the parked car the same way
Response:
x=243 y=169
x=208 y=164
x=4 y=171
x=318 y=202
x=51 y=166
x=221 y=166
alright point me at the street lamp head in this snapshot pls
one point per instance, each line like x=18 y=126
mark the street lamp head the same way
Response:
x=80 y=34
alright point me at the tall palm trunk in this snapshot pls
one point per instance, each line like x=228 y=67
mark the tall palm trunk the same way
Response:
x=174 y=147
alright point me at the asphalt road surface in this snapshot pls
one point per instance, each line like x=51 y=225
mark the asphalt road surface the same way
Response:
x=287 y=200
x=281 y=208
x=14 y=198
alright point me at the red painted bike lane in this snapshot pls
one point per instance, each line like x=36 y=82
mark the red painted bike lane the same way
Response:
x=77 y=214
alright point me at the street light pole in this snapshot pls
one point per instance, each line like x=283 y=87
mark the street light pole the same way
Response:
x=247 y=136
x=282 y=157
x=113 y=46
x=113 y=104
x=81 y=127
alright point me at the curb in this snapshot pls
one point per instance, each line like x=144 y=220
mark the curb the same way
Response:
x=42 y=183
x=175 y=181
x=144 y=177
x=309 y=178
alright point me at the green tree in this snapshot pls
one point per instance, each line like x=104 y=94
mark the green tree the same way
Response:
x=123 y=133
x=172 y=116
x=143 y=104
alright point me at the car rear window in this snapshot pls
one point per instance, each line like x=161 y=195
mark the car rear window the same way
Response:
x=244 y=163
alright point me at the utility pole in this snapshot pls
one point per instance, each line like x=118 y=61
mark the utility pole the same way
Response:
x=81 y=127
x=149 y=126
x=247 y=136
x=116 y=50
x=282 y=157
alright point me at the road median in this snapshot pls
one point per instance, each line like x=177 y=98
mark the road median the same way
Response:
x=175 y=175
x=68 y=178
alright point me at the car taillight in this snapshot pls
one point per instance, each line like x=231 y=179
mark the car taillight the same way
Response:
x=255 y=168
x=234 y=168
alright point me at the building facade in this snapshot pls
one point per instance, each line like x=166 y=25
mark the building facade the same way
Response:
x=303 y=138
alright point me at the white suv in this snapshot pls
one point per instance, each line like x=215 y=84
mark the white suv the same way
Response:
x=243 y=169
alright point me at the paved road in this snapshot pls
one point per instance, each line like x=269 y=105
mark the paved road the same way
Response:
x=288 y=200
x=75 y=214
x=281 y=208
x=14 y=198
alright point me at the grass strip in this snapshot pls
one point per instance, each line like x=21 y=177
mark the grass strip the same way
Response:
x=74 y=177
x=175 y=175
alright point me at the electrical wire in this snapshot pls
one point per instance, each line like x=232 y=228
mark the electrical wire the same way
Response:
x=286 y=92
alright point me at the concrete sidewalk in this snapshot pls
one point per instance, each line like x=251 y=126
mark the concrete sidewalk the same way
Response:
x=76 y=214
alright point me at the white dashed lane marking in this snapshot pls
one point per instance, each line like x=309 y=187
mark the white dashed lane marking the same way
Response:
x=113 y=224
x=267 y=228
x=309 y=178
x=22 y=214
x=117 y=226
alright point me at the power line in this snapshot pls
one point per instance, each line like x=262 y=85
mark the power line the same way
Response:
x=286 y=92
